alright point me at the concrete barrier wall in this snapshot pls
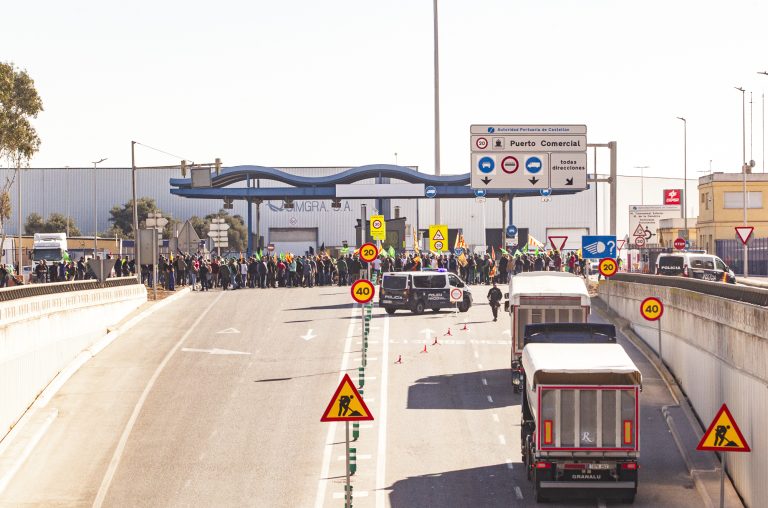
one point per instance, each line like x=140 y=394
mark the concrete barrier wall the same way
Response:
x=41 y=335
x=717 y=349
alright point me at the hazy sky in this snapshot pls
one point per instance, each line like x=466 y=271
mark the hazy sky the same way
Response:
x=342 y=82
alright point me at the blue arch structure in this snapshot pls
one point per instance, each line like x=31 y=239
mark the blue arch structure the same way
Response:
x=324 y=187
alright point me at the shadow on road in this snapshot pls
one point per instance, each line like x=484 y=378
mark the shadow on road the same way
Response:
x=273 y=379
x=463 y=391
x=325 y=307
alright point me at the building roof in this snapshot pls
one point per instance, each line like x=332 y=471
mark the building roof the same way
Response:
x=581 y=364
x=733 y=177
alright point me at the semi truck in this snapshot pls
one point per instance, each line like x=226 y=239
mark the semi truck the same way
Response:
x=49 y=247
x=580 y=412
x=542 y=297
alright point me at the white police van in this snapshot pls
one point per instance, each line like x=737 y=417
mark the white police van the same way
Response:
x=417 y=291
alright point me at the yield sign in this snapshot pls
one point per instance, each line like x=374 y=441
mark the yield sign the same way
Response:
x=620 y=244
x=723 y=435
x=346 y=405
x=744 y=233
x=558 y=242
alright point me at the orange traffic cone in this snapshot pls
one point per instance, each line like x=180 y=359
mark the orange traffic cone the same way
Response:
x=448 y=333
x=424 y=350
x=399 y=359
x=466 y=328
x=435 y=343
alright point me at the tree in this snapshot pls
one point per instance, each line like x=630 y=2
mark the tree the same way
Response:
x=199 y=225
x=56 y=223
x=237 y=234
x=19 y=102
x=122 y=216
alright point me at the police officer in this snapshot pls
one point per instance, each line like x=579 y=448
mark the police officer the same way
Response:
x=494 y=298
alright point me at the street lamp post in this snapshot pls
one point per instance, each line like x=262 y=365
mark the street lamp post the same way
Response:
x=95 y=210
x=642 y=183
x=684 y=198
x=67 y=178
x=764 y=73
x=744 y=171
x=437 y=105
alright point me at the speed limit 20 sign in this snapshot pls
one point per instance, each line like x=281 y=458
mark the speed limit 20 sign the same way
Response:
x=607 y=267
x=652 y=308
x=368 y=252
x=362 y=291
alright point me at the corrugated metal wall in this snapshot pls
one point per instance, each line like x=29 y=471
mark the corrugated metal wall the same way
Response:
x=60 y=189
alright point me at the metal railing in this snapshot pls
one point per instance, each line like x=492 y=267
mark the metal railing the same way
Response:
x=755 y=296
x=732 y=252
x=28 y=290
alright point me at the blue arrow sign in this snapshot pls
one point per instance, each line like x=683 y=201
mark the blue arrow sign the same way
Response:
x=430 y=191
x=480 y=193
x=533 y=165
x=596 y=247
x=511 y=230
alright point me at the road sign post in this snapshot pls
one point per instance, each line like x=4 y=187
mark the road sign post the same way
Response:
x=652 y=309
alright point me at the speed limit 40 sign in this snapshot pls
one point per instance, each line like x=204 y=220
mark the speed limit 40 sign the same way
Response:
x=362 y=291
x=652 y=308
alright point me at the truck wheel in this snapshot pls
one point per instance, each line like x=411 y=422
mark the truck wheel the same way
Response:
x=418 y=307
x=390 y=310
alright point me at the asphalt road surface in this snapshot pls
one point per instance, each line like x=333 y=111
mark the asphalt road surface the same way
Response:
x=216 y=401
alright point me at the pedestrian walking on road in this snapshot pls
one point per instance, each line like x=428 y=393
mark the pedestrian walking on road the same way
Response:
x=494 y=298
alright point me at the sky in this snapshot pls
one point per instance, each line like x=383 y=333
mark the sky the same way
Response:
x=347 y=83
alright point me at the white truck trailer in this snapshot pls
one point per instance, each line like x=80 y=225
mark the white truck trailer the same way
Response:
x=580 y=413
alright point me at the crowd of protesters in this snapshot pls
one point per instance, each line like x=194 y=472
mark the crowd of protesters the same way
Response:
x=286 y=270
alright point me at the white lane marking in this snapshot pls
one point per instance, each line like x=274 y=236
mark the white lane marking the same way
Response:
x=485 y=382
x=309 y=335
x=502 y=439
x=518 y=493
x=477 y=355
x=214 y=351
x=355 y=494
x=27 y=451
x=381 y=450
x=370 y=378
x=329 y=436
x=495 y=417
x=490 y=399
x=601 y=503
x=230 y=330
x=115 y=461
x=509 y=464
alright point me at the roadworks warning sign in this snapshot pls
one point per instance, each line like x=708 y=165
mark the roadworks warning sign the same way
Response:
x=723 y=435
x=346 y=405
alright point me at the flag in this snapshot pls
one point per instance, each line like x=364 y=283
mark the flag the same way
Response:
x=65 y=256
x=503 y=251
x=257 y=255
x=493 y=253
x=462 y=259
x=282 y=257
x=532 y=242
x=322 y=248
x=578 y=253
x=518 y=253
x=525 y=249
x=537 y=251
x=392 y=252
x=384 y=253
x=416 y=241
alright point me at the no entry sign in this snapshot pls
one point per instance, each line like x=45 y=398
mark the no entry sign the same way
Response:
x=362 y=291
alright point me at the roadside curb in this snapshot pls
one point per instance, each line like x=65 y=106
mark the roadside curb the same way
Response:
x=700 y=466
x=21 y=440
x=753 y=283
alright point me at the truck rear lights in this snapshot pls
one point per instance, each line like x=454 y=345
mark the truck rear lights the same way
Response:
x=547 y=432
x=543 y=465
x=629 y=465
x=575 y=466
x=628 y=432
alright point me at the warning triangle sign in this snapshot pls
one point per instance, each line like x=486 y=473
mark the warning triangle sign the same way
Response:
x=744 y=233
x=558 y=242
x=723 y=435
x=346 y=405
x=438 y=235
x=639 y=231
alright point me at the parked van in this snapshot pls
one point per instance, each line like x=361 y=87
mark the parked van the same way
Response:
x=696 y=265
x=417 y=291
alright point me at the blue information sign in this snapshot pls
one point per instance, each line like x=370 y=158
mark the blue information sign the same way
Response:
x=430 y=191
x=545 y=192
x=486 y=164
x=511 y=230
x=597 y=247
x=480 y=193
x=533 y=165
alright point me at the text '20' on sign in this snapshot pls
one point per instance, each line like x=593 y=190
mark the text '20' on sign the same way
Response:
x=368 y=252
x=362 y=291
x=651 y=308
x=607 y=267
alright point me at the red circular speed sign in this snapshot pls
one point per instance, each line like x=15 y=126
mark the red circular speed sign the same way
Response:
x=368 y=252
x=679 y=243
x=362 y=291
x=652 y=308
x=607 y=267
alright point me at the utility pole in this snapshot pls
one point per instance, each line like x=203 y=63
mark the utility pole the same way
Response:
x=684 y=197
x=437 y=106
x=95 y=210
x=744 y=171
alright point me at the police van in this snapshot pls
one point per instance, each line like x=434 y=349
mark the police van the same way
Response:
x=696 y=265
x=417 y=291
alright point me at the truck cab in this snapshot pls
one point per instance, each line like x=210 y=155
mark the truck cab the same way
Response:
x=49 y=247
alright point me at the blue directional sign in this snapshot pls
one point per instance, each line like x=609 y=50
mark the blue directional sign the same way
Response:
x=486 y=164
x=533 y=165
x=511 y=230
x=597 y=247
x=430 y=191
x=545 y=192
x=480 y=193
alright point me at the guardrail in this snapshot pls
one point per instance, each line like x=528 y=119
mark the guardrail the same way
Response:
x=755 y=296
x=28 y=290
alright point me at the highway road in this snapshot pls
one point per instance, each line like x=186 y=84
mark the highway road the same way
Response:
x=216 y=401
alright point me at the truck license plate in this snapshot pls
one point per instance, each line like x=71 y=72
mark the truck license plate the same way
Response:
x=599 y=466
